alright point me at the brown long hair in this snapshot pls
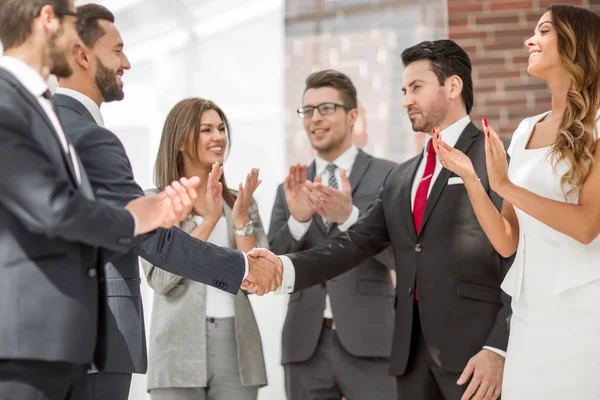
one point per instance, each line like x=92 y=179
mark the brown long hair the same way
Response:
x=578 y=33
x=183 y=120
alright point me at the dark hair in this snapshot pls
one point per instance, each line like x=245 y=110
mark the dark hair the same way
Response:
x=447 y=59
x=17 y=16
x=88 y=28
x=334 y=79
x=184 y=118
x=578 y=39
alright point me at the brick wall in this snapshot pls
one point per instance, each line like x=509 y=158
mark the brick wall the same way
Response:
x=493 y=33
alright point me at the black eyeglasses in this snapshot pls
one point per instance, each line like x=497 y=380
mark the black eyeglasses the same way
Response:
x=324 y=109
x=61 y=12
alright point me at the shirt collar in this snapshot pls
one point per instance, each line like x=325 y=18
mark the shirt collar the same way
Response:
x=28 y=77
x=451 y=134
x=88 y=103
x=344 y=161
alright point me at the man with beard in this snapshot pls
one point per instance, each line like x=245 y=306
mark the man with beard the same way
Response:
x=99 y=64
x=451 y=331
x=50 y=223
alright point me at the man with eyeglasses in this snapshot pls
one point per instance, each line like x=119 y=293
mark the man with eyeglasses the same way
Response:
x=337 y=335
x=50 y=223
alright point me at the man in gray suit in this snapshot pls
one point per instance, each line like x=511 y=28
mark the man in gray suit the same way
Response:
x=337 y=336
x=50 y=223
x=99 y=65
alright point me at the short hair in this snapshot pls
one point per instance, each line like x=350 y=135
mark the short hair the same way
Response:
x=88 y=28
x=334 y=79
x=447 y=59
x=17 y=16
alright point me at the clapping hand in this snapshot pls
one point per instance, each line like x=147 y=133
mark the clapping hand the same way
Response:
x=495 y=159
x=296 y=198
x=332 y=204
x=239 y=214
x=452 y=159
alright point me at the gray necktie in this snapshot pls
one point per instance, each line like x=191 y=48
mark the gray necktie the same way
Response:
x=332 y=183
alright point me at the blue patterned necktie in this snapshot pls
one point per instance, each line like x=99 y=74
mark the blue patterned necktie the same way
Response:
x=332 y=183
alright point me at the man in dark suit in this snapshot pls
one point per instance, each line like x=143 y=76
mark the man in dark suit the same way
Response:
x=50 y=224
x=337 y=336
x=451 y=316
x=99 y=63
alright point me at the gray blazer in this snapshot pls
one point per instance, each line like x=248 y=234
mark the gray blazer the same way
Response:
x=177 y=348
x=361 y=299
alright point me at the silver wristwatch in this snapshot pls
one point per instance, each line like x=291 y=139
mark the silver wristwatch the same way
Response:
x=246 y=230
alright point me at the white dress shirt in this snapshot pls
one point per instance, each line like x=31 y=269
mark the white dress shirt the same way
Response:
x=299 y=229
x=450 y=135
x=37 y=86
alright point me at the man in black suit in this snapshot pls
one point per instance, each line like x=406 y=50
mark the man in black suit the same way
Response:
x=50 y=224
x=337 y=336
x=451 y=316
x=99 y=64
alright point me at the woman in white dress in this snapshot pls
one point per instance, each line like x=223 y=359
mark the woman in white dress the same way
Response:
x=550 y=216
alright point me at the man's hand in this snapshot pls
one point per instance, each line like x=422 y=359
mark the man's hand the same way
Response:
x=295 y=197
x=166 y=209
x=486 y=368
x=265 y=272
x=332 y=204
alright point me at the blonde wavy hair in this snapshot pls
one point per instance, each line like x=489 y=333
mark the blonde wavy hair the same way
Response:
x=578 y=33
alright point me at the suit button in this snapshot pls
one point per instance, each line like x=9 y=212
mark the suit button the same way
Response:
x=410 y=290
x=92 y=272
x=418 y=248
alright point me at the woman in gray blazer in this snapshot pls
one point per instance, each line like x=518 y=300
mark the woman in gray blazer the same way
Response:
x=204 y=343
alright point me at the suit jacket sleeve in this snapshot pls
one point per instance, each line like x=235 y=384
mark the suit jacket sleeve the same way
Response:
x=172 y=250
x=368 y=237
x=259 y=230
x=43 y=198
x=280 y=238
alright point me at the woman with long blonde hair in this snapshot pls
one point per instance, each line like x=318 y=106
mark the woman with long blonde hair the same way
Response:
x=550 y=217
x=204 y=342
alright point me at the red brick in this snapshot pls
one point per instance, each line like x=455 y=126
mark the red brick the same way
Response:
x=492 y=19
x=487 y=73
x=546 y=3
x=464 y=7
x=504 y=5
x=458 y=33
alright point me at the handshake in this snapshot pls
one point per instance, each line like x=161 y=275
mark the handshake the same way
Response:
x=265 y=272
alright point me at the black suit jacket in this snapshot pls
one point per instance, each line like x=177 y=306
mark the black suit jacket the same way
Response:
x=461 y=305
x=361 y=299
x=122 y=344
x=49 y=227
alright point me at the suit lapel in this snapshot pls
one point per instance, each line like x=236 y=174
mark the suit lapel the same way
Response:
x=406 y=196
x=465 y=141
x=64 y=101
x=36 y=106
x=311 y=173
x=360 y=166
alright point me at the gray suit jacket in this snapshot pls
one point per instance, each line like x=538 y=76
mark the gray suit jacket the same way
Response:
x=122 y=346
x=49 y=227
x=361 y=299
x=178 y=327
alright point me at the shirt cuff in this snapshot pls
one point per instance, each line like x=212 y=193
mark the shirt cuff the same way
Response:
x=136 y=224
x=350 y=221
x=298 y=229
x=289 y=277
x=495 y=350
x=246 y=263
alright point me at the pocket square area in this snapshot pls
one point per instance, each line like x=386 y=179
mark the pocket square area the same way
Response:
x=455 y=180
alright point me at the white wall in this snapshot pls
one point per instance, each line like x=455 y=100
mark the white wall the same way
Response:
x=232 y=53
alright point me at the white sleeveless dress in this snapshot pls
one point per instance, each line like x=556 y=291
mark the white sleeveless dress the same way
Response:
x=554 y=345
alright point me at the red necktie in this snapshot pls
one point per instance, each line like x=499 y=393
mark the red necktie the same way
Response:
x=422 y=190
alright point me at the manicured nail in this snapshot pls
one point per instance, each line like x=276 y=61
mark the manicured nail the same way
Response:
x=485 y=123
x=488 y=134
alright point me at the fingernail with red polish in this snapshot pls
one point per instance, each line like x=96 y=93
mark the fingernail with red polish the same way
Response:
x=485 y=123
x=488 y=134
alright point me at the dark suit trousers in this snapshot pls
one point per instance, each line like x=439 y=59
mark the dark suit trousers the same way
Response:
x=106 y=385
x=332 y=372
x=424 y=379
x=40 y=380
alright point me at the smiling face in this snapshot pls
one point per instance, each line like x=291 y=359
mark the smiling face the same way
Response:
x=329 y=133
x=544 y=56
x=111 y=63
x=212 y=141
x=425 y=100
